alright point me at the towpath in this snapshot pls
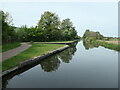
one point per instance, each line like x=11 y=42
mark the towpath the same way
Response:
x=15 y=51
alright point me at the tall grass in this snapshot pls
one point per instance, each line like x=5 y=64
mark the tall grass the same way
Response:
x=107 y=45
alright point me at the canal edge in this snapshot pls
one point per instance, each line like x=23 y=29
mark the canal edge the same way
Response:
x=33 y=60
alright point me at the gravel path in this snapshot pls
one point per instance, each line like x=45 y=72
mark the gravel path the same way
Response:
x=15 y=51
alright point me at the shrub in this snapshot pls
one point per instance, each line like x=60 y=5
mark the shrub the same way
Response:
x=31 y=42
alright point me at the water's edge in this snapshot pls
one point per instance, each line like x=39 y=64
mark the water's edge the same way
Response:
x=34 y=60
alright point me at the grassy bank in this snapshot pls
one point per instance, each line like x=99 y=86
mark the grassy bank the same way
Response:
x=107 y=45
x=33 y=51
x=6 y=47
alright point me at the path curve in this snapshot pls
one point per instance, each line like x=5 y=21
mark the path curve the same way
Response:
x=15 y=51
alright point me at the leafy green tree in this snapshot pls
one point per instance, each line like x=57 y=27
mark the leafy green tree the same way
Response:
x=73 y=33
x=99 y=36
x=68 y=31
x=23 y=33
x=8 y=30
x=86 y=33
x=49 y=26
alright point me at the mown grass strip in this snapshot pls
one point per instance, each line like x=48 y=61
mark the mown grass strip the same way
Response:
x=33 y=51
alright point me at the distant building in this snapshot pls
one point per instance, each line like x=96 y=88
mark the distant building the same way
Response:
x=91 y=34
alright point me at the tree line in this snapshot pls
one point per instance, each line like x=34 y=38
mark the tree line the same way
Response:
x=8 y=30
x=48 y=28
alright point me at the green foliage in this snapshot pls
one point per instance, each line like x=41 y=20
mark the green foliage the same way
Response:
x=31 y=42
x=68 y=31
x=49 y=28
x=8 y=31
x=8 y=46
x=90 y=39
x=53 y=62
x=86 y=33
x=107 y=45
x=89 y=45
x=96 y=43
x=23 y=33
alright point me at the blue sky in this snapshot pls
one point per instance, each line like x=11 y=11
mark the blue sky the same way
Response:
x=96 y=16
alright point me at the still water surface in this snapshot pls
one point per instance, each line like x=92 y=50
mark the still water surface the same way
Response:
x=76 y=67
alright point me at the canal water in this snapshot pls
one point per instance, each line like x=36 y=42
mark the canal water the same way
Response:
x=81 y=66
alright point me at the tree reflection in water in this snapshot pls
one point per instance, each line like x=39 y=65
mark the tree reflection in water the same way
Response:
x=48 y=65
x=66 y=56
x=52 y=63
x=89 y=45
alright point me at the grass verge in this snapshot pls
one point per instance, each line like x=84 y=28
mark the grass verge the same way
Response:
x=6 y=47
x=33 y=51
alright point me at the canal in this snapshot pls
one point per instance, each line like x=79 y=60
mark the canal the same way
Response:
x=81 y=66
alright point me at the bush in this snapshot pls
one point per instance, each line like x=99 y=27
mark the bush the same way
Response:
x=31 y=42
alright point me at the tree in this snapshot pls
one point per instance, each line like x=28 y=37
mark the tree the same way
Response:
x=49 y=26
x=99 y=36
x=86 y=33
x=73 y=33
x=8 y=30
x=23 y=33
x=69 y=32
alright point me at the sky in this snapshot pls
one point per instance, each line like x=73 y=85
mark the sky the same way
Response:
x=96 y=16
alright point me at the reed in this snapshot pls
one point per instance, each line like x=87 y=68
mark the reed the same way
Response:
x=107 y=45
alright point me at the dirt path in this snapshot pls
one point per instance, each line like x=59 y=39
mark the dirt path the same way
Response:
x=15 y=51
